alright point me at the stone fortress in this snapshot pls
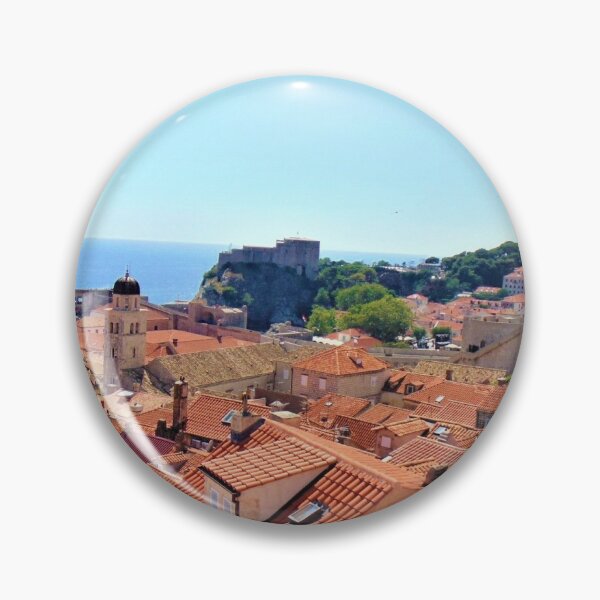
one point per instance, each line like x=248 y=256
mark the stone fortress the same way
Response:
x=300 y=254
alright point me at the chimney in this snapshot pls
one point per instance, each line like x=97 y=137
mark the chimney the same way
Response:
x=243 y=422
x=219 y=338
x=449 y=374
x=175 y=342
x=180 y=404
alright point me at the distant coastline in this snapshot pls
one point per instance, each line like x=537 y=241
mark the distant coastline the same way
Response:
x=173 y=270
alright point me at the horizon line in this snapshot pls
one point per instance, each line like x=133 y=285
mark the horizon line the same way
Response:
x=233 y=245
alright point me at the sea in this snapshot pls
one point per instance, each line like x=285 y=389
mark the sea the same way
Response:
x=169 y=271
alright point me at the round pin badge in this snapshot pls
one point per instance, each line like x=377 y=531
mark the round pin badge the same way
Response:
x=299 y=300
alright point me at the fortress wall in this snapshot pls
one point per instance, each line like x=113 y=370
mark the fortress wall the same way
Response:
x=299 y=254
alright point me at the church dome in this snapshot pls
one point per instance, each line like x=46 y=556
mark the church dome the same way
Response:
x=126 y=285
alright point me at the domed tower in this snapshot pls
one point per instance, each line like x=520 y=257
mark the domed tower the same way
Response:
x=124 y=331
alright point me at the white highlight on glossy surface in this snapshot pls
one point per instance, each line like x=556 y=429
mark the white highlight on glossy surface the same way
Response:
x=300 y=85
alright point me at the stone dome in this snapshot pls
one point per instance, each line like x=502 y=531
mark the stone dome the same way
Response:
x=126 y=285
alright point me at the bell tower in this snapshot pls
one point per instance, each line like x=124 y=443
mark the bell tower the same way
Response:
x=124 y=332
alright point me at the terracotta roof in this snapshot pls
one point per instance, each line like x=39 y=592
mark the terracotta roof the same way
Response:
x=148 y=420
x=324 y=410
x=400 y=379
x=356 y=457
x=366 y=341
x=427 y=411
x=463 y=437
x=342 y=360
x=446 y=391
x=407 y=426
x=382 y=413
x=161 y=445
x=161 y=343
x=346 y=491
x=182 y=462
x=202 y=369
x=205 y=415
x=515 y=298
x=91 y=322
x=420 y=448
x=362 y=433
x=265 y=434
x=459 y=413
x=265 y=464
x=460 y=373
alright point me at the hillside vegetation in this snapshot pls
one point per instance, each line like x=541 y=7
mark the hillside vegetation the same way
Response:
x=275 y=294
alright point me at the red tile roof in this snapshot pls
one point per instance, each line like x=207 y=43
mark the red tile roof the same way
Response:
x=459 y=413
x=162 y=446
x=346 y=491
x=265 y=464
x=362 y=433
x=460 y=392
x=457 y=435
x=342 y=361
x=420 y=448
x=408 y=426
x=206 y=412
x=148 y=420
x=161 y=343
x=324 y=410
x=400 y=379
x=382 y=413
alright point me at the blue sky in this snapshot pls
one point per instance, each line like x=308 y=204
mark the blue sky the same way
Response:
x=322 y=158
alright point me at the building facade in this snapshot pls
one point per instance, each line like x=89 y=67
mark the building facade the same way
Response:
x=514 y=282
x=300 y=254
x=124 y=332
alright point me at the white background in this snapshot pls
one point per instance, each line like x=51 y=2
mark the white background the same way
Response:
x=82 y=82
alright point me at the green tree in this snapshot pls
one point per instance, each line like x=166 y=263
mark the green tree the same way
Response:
x=322 y=320
x=419 y=332
x=432 y=260
x=359 y=294
x=323 y=298
x=247 y=299
x=441 y=329
x=384 y=319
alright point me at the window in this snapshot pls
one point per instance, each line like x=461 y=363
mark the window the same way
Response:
x=409 y=389
x=137 y=327
x=303 y=380
x=136 y=302
x=116 y=328
x=286 y=373
x=131 y=328
x=133 y=353
x=126 y=302
x=386 y=441
x=322 y=383
x=155 y=327
x=373 y=380
x=117 y=302
x=112 y=327
x=227 y=505
x=214 y=498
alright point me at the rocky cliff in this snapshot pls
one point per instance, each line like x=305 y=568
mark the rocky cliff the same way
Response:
x=273 y=294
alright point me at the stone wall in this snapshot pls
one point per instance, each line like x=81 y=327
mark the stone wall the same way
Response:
x=299 y=254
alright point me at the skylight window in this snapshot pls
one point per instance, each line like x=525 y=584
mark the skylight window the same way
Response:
x=226 y=420
x=439 y=398
x=310 y=513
